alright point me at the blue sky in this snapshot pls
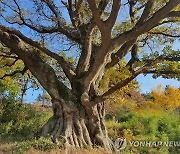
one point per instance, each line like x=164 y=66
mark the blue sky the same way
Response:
x=146 y=82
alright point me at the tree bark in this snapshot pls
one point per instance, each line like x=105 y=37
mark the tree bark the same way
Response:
x=77 y=126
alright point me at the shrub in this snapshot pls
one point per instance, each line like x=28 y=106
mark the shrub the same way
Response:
x=114 y=128
x=42 y=144
x=146 y=125
x=18 y=119
x=20 y=148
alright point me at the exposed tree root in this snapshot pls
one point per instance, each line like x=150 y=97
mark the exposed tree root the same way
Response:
x=76 y=128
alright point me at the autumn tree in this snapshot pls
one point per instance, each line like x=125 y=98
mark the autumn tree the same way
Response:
x=17 y=78
x=10 y=86
x=166 y=99
x=101 y=33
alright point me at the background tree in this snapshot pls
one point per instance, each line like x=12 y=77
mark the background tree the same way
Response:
x=162 y=98
x=102 y=33
x=17 y=78
x=44 y=98
x=10 y=85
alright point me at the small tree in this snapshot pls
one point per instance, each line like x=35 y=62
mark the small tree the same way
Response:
x=166 y=99
x=44 y=98
x=103 y=32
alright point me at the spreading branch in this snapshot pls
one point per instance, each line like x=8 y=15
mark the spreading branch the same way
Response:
x=36 y=65
x=116 y=57
x=145 y=69
x=96 y=15
x=163 y=72
x=146 y=12
x=164 y=34
x=84 y=60
x=114 y=13
x=146 y=26
x=65 y=66
x=173 y=14
x=60 y=26
x=95 y=12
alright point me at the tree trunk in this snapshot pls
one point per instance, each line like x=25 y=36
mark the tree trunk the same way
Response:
x=77 y=126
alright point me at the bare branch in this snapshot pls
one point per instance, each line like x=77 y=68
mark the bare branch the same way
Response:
x=41 y=29
x=173 y=14
x=71 y=12
x=37 y=66
x=60 y=20
x=165 y=34
x=114 y=13
x=96 y=15
x=65 y=66
x=131 y=12
x=116 y=57
x=146 y=12
x=66 y=29
x=163 y=72
x=147 y=25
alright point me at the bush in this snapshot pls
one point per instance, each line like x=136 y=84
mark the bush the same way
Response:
x=42 y=144
x=20 y=148
x=114 y=128
x=20 y=120
x=146 y=125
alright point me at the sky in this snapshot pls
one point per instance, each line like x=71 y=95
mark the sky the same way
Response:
x=146 y=82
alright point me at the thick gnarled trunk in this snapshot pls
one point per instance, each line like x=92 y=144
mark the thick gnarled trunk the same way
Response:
x=77 y=127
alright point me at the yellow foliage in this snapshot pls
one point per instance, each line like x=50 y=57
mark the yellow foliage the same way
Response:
x=117 y=74
x=168 y=98
x=128 y=134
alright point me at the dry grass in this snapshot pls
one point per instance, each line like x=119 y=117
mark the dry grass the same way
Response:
x=7 y=148
x=74 y=151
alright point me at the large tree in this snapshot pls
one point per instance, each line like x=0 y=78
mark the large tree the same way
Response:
x=101 y=33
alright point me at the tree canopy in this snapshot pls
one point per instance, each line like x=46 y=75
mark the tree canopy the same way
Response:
x=100 y=32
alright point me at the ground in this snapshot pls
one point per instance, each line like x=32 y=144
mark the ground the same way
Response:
x=7 y=148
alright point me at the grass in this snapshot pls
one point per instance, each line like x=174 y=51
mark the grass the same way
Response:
x=9 y=147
